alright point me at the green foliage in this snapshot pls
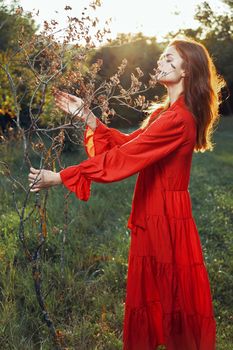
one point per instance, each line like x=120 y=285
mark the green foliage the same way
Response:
x=212 y=198
x=13 y=22
x=217 y=33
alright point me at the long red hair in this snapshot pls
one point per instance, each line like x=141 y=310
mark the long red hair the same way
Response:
x=202 y=90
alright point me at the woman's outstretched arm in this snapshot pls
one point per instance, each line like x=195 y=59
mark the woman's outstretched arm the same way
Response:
x=103 y=138
x=98 y=137
x=162 y=137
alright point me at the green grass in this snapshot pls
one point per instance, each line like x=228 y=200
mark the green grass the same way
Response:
x=86 y=302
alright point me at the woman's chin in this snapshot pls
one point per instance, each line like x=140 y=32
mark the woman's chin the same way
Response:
x=161 y=80
x=161 y=77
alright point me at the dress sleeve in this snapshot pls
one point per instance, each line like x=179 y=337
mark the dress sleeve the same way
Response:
x=104 y=138
x=162 y=137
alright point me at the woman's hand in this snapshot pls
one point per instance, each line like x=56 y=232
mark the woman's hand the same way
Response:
x=41 y=178
x=74 y=105
x=68 y=103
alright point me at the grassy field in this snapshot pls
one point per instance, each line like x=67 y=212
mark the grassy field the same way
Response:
x=85 y=294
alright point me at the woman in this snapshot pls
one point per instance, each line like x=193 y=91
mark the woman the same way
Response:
x=168 y=297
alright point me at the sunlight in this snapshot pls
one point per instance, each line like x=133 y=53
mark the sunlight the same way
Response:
x=149 y=17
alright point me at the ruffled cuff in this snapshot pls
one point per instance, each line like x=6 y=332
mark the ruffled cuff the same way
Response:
x=74 y=181
x=96 y=141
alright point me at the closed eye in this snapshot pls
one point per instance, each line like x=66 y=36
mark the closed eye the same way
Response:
x=166 y=57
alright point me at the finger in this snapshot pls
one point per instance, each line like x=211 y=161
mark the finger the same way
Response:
x=54 y=91
x=35 y=189
x=67 y=108
x=34 y=171
x=34 y=176
x=72 y=98
x=58 y=103
x=34 y=185
x=56 y=95
x=62 y=102
x=31 y=179
x=62 y=106
x=57 y=92
x=63 y=94
x=34 y=180
x=65 y=101
x=67 y=96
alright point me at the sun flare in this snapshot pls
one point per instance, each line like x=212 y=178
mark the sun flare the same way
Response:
x=150 y=17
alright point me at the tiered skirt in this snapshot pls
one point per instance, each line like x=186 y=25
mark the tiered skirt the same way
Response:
x=168 y=299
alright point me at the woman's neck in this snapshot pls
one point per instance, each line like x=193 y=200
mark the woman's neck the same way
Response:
x=174 y=92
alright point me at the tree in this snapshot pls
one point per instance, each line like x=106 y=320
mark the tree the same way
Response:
x=216 y=33
x=141 y=53
x=11 y=23
x=32 y=68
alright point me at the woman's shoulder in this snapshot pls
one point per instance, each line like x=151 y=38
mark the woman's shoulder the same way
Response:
x=183 y=113
x=174 y=121
x=168 y=122
x=176 y=115
x=168 y=116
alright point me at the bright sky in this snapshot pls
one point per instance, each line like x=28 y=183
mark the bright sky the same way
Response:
x=151 y=17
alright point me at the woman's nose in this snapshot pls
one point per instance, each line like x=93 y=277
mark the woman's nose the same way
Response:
x=159 y=64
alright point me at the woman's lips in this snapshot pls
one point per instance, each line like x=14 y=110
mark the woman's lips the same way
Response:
x=159 y=73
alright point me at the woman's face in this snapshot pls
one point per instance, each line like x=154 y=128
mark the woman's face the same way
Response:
x=170 y=69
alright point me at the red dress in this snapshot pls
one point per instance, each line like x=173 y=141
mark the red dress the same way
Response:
x=168 y=299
